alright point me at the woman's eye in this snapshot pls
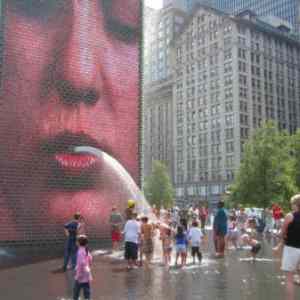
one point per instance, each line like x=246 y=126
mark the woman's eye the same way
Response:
x=122 y=31
x=37 y=8
x=123 y=19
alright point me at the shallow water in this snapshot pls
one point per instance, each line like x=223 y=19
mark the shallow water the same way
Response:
x=235 y=277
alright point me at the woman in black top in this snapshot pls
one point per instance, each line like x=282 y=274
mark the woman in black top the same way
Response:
x=291 y=238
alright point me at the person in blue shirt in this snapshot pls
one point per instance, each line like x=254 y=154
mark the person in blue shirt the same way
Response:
x=220 y=230
x=181 y=243
x=71 y=229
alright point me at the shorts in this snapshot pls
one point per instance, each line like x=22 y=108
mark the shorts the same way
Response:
x=233 y=235
x=131 y=250
x=255 y=249
x=116 y=236
x=290 y=259
x=167 y=249
x=196 y=251
x=180 y=248
x=147 y=246
x=220 y=233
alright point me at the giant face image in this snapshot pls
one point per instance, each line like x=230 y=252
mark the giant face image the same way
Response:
x=69 y=79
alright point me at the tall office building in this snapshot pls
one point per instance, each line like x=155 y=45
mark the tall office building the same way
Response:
x=150 y=21
x=229 y=75
x=185 y=5
x=298 y=19
x=160 y=29
x=287 y=10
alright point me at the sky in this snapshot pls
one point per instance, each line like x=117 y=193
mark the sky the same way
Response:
x=154 y=3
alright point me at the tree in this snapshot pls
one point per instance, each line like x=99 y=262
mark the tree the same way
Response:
x=296 y=156
x=266 y=170
x=158 y=187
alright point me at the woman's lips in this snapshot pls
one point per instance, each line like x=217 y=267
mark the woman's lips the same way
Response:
x=74 y=162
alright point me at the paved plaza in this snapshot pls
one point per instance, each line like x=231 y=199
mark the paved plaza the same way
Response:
x=232 y=278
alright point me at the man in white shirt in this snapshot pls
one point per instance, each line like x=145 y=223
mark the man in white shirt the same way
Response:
x=131 y=236
x=195 y=237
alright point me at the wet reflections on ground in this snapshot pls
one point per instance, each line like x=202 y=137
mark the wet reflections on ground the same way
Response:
x=235 y=277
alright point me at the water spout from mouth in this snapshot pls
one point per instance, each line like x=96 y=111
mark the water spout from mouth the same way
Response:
x=125 y=182
x=121 y=176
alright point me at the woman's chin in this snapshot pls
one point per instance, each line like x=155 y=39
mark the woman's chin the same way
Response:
x=94 y=206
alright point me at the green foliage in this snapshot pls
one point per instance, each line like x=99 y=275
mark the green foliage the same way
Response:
x=158 y=187
x=266 y=173
x=296 y=156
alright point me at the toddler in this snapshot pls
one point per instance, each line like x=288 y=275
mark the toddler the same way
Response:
x=83 y=275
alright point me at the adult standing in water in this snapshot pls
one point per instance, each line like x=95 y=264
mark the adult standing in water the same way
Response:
x=69 y=78
x=116 y=221
x=291 y=250
x=220 y=230
x=203 y=214
x=132 y=232
x=71 y=231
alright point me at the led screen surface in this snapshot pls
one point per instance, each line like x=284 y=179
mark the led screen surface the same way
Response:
x=69 y=105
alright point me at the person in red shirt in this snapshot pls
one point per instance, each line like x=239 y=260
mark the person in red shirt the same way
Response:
x=203 y=213
x=277 y=215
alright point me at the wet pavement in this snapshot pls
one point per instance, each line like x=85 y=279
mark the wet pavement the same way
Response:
x=235 y=277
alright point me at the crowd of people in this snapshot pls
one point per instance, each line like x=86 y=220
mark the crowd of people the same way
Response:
x=177 y=232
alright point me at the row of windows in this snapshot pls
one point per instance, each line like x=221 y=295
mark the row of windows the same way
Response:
x=216 y=175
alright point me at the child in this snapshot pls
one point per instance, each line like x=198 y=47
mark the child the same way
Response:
x=250 y=238
x=195 y=237
x=131 y=237
x=147 y=232
x=167 y=246
x=181 y=245
x=83 y=274
x=233 y=233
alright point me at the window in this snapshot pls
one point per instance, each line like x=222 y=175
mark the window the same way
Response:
x=229 y=147
x=229 y=161
x=241 y=29
x=229 y=175
x=242 y=41
x=242 y=53
x=229 y=106
x=227 y=54
x=228 y=93
x=227 y=29
x=243 y=79
x=227 y=67
x=228 y=80
x=242 y=66
x=227 y=41
x=229 y=133
x=244 y=119
x=229 y=120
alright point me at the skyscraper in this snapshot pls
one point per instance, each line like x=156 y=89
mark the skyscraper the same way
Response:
x=160 y=29
x=287 y=10
x=185 y=5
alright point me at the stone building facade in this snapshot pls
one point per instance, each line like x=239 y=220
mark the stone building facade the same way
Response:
x=230 y=75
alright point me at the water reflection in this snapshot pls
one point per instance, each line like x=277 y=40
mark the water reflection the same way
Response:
x=232 y=278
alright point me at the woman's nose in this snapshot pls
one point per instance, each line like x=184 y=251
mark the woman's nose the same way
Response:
x=79 y=70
